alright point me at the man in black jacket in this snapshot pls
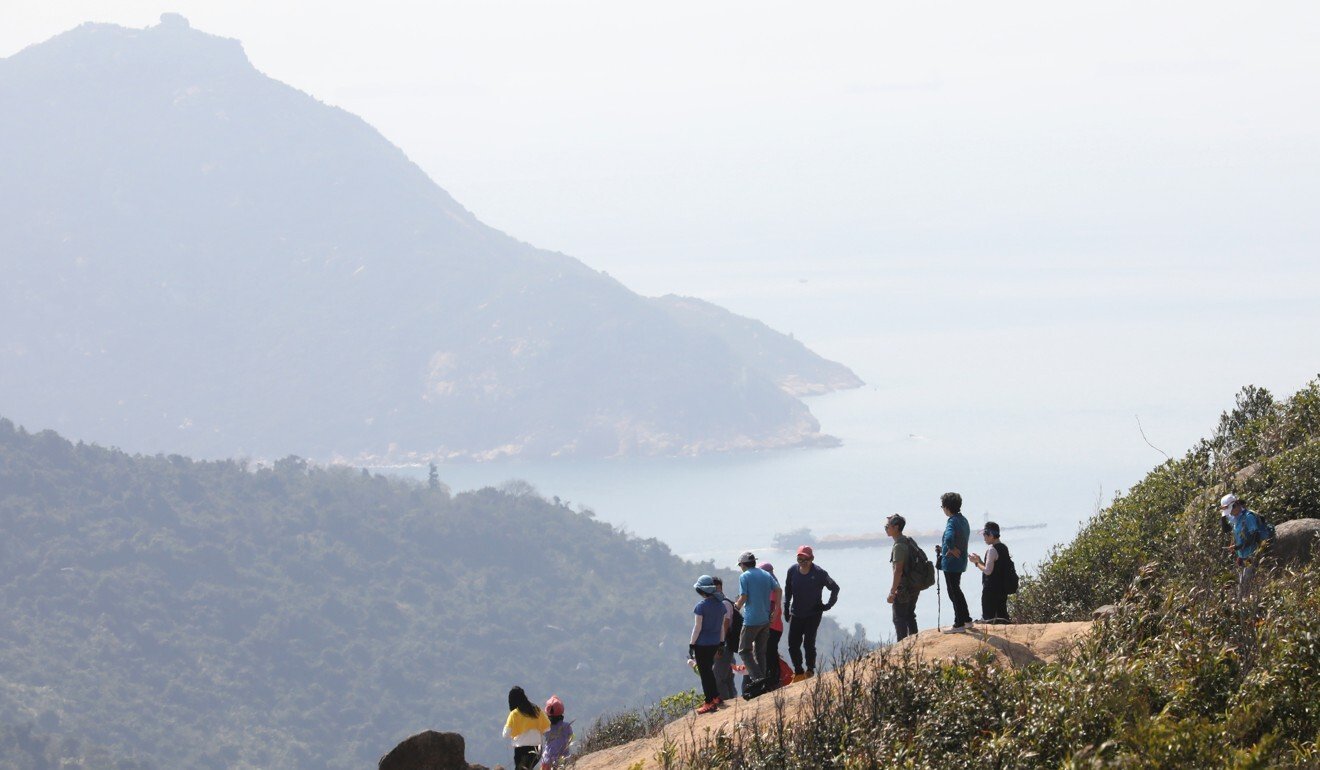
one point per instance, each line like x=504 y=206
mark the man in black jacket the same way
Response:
x=803 y=608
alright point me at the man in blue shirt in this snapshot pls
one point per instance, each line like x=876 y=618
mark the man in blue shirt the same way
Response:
x=953 y=557
x=755 y=586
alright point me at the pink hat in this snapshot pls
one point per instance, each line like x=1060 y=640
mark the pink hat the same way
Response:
x=554 y=707
x=806 y=551
x=767 y=566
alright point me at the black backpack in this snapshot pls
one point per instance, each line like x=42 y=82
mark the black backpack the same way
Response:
x=735 y=626
x=1005 y=572
x=919 y=566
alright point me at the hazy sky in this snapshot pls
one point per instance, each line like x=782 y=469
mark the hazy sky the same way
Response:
x=626 y=132
x=1139 y=178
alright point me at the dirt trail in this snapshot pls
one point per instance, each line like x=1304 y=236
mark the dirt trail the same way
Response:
x=1015 y=645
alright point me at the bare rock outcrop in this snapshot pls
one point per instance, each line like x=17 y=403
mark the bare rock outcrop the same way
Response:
x=1295 y=542
x=429 y=750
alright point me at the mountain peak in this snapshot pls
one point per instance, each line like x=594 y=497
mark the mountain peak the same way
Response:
x=98 y=52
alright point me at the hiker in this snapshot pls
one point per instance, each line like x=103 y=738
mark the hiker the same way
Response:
x=776 y=631
x=524 y=727
x=555 y=754
x=1247 y=537
x=707 y=639
x=732 y=632
x=755 y=588
x=802 y=609
x=902 y=594
x=994 y=576
x=952 y=556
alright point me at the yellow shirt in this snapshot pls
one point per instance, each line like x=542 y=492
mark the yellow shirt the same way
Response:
x=525 y=730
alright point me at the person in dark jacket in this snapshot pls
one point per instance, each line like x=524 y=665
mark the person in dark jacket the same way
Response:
x=994 y=572
x=953 y=557
x=803 y=587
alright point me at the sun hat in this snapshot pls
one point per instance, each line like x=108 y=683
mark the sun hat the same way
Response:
x=1227 y=501
x=705 y=584
x=767 y=566
x=554 y=707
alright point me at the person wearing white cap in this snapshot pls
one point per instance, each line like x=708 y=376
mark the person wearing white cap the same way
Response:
x=1247 y=536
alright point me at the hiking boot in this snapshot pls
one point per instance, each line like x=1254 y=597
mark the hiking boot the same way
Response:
x=810 y=673
x=799 y=677
x=719 y=702
x=958 y=629
x=708 y=707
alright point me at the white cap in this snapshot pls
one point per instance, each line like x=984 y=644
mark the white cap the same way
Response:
x=1227 y=501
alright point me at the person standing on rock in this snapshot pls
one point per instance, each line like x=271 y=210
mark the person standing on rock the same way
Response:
x=902 y=593
x=707 y=639
x=755 y=588
x=994 y=576
x=953 y=557
x=525 y=725
x=1247 y=536
x=776 y=631
x=803 y=587
x=723 y=667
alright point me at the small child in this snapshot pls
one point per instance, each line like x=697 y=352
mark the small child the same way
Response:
x=558 y=737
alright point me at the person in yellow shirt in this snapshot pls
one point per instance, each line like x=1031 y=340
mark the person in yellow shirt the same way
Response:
x=525 y=725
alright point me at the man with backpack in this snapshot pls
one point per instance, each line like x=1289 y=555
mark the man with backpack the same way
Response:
x=913 y=572
x=999 y=576
x=1249 y=532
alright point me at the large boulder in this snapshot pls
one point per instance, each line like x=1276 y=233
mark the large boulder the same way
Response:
x=1295 y=542
x=428 y=750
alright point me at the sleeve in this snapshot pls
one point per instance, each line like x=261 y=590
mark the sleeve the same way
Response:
x=542 y=721
x=991 y=556
x=834 y=590
x=508 y=726
x=788 y=590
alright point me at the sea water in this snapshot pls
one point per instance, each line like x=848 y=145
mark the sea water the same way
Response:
x=1036 y=390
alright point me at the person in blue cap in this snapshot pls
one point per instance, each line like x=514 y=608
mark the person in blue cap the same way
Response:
x=707 y=639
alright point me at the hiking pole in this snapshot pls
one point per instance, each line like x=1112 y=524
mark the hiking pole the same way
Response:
x=938 y=600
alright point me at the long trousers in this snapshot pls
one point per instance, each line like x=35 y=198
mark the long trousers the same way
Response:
x=961 y=615
x=772 y=659
x=751 y=648
x=705 y=667
x=905 y=618
x=994 y=604
x=802 y=632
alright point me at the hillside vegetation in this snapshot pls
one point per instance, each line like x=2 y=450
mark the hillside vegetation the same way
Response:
x=216 y=615
x=1182 y=674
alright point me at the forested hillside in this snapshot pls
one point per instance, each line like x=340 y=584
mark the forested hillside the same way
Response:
x=216 y=615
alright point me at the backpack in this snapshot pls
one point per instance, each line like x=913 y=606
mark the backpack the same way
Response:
x=919 y=567
x=1004 y=562
x=735 y=627
x=1264 y=529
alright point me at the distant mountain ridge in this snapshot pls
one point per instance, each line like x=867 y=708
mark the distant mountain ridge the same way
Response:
x=200 y=259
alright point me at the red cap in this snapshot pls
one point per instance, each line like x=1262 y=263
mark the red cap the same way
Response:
x=554 y=707
x=806 y=551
